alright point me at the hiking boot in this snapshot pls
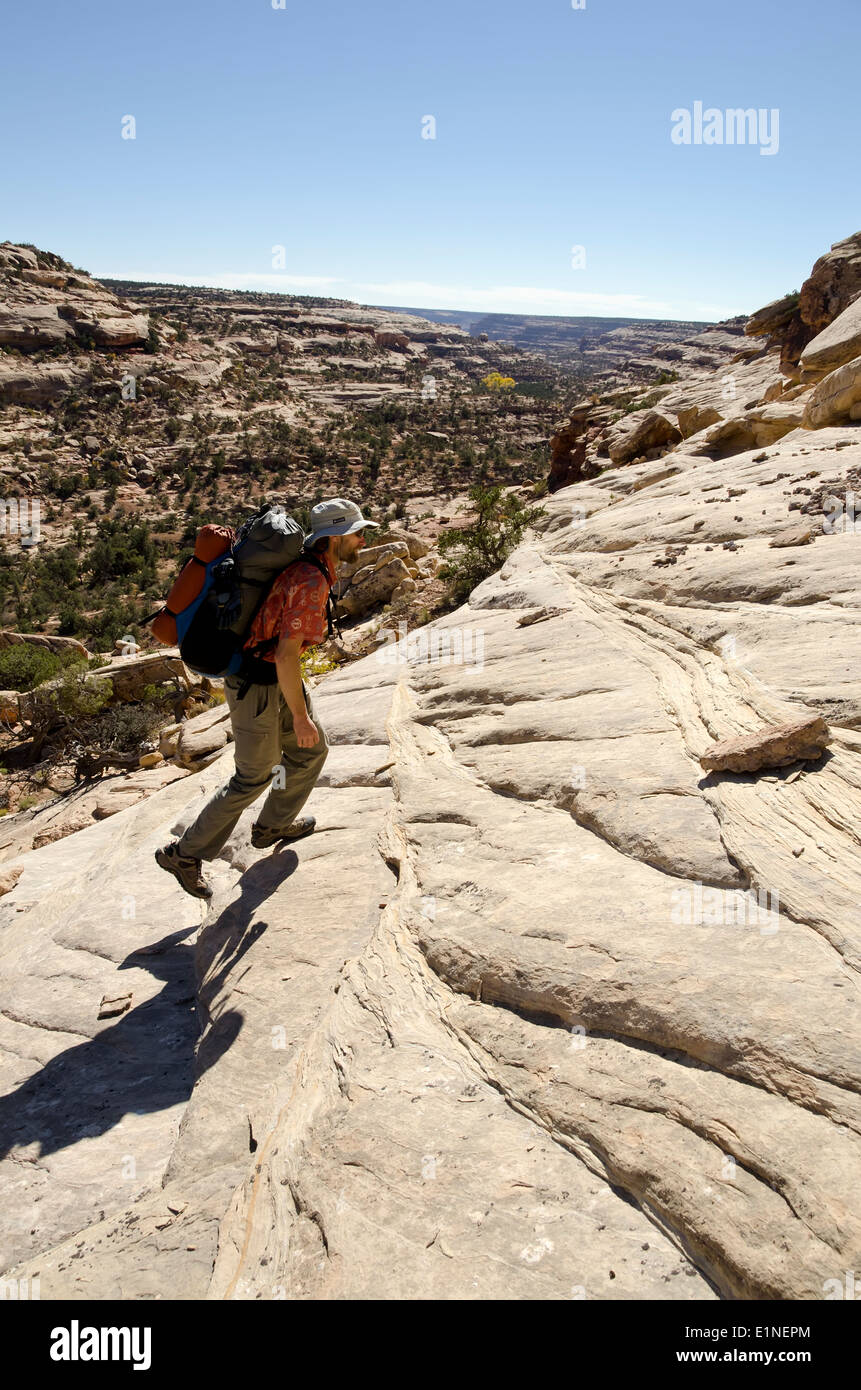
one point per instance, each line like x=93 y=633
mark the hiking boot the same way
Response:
x=186 y=871
x=262 y=837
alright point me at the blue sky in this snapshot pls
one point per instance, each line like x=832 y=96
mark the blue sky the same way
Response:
x=301 y=127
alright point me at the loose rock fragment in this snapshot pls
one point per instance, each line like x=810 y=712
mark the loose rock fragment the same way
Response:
x=775 y=746
x=111 y=1008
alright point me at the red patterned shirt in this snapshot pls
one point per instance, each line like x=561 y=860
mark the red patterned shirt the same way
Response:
x=295 y=606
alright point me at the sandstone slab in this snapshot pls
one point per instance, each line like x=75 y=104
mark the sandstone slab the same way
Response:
x=833 y=399
x=838 y=343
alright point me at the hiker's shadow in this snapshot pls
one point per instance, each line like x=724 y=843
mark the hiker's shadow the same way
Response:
x=141 y=1063
x=225 y=939
x=149 y=1059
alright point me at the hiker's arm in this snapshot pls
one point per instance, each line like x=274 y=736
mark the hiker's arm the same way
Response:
x=289 y=671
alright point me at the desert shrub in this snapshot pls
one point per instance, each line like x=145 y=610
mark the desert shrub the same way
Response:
x=314 y=663
x=125 y=727
x=122 y=548
x=24 y=665
x=57 y=710
x=480 y=549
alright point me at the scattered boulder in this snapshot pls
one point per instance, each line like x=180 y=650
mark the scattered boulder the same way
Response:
x=129 y=675
x=652 y=431
x=371 y=586
x=9 y=706
x=9 y=877
x=112 y=327
x=29 y=327
x=373 y=557
x=114 y=1006
x=406 y=587
x=191 y=371
x=415 y=545
x=384 y=339
x=754 y=429
x=694 y=418
x=120 y=793
x=167 y=740
x=200 y=740
x=802 y=534
x=775 y=746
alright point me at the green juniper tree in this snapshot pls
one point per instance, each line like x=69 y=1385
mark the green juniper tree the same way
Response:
x=482 y=548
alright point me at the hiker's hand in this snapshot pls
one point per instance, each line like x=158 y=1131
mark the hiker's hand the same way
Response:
x=306 y=732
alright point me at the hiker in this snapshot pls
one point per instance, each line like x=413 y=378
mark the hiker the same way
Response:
x=270 y=708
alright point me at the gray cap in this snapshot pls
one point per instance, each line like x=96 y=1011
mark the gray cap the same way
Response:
x=335 y=518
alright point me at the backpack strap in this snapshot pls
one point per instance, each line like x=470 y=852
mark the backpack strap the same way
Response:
x=310 y=558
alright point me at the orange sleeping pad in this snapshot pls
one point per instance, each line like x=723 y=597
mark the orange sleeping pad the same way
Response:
x=211 y=542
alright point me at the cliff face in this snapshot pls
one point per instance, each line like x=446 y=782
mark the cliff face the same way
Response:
x=540 y=1010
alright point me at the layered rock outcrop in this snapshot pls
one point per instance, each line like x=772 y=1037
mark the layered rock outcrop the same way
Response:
x=805 y=374
x=47 y=303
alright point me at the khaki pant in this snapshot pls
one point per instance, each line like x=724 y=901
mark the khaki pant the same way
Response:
x=264 y=745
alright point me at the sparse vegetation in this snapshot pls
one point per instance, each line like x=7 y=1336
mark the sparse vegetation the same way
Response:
x=481 y=549
x=24 y=665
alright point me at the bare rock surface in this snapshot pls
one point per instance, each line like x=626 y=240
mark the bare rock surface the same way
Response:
x=539 y=1011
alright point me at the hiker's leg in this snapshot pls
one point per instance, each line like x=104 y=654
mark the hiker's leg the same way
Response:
x=256 y=750
x=301 y=768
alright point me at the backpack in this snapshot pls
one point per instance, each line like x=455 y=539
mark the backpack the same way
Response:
x=217 y=594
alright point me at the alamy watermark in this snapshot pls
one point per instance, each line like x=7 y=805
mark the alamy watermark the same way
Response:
x=840 y=516
x=432 y=646
x=77 y=1343
x=735 y=126
x=699 y=906
x=21 y=516
x=842 y=1288
x=20 y=1290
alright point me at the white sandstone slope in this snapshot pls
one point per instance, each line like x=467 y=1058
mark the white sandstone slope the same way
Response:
x=511 y=1023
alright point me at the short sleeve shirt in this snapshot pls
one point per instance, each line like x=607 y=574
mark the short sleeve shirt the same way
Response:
x=294 y=607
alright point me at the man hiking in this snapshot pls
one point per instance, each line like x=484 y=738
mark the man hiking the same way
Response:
x=270 y=708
